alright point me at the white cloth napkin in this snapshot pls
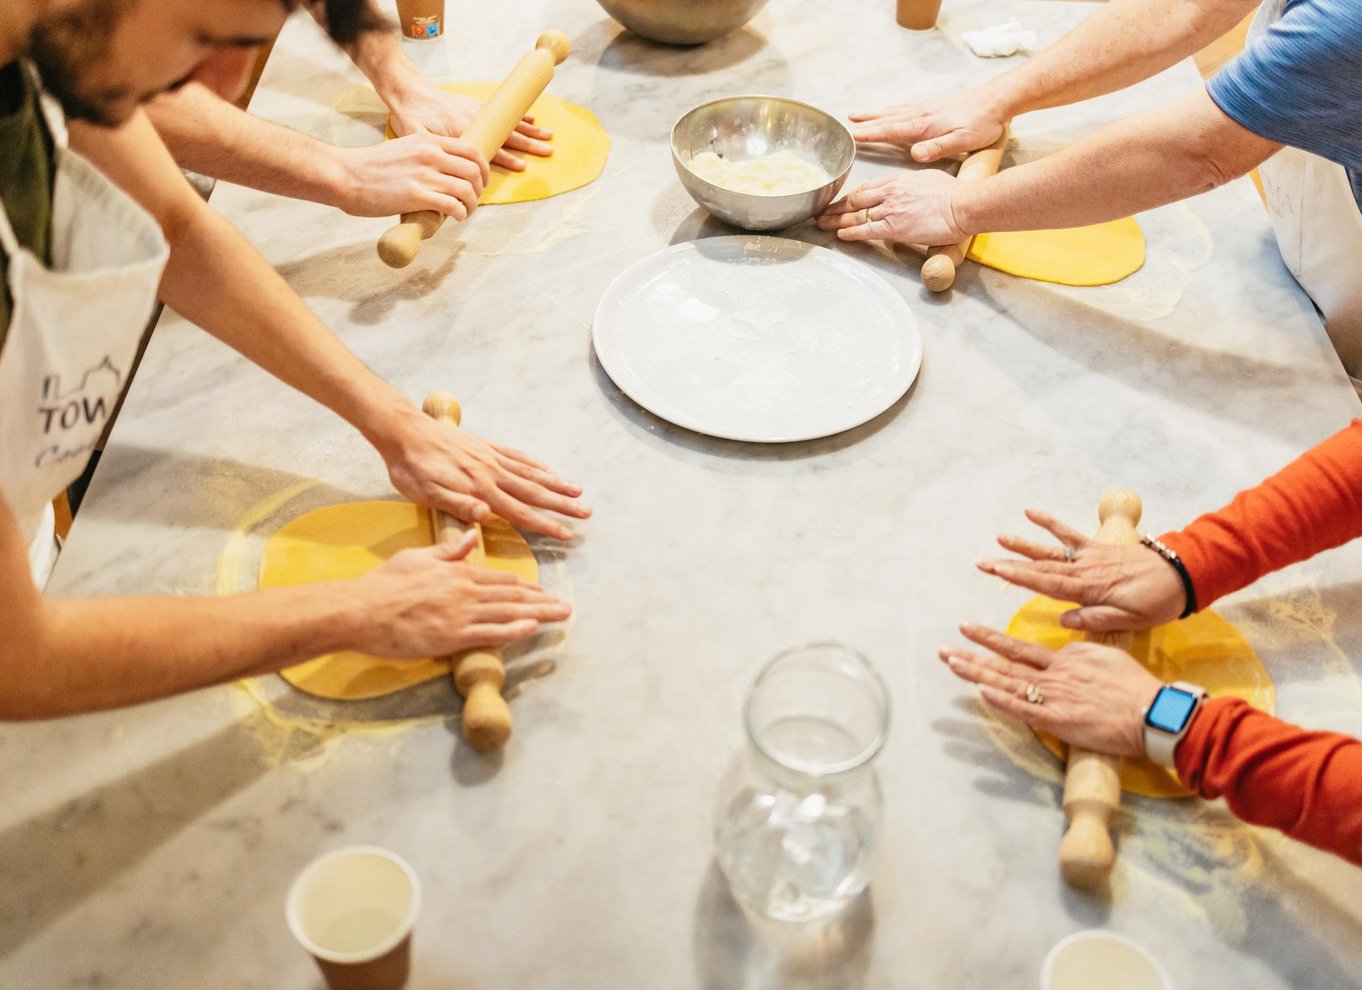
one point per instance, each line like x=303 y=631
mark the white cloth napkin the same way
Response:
x=1000 y=39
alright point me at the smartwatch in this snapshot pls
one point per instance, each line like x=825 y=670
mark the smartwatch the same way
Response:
x=1167 y=718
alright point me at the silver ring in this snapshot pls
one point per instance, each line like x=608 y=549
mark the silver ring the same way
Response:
x=1033 y=694
x=1069 y=553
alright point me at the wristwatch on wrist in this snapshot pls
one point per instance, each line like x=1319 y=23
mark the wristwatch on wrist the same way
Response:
x=1167 y=719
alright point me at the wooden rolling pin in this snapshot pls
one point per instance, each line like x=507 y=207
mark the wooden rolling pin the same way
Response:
x=1092 y=783
x=478 y=674
x=488 y=132
x=938 y=271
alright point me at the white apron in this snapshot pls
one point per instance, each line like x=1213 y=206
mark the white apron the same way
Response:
x=1319 y=230
x=73 y=334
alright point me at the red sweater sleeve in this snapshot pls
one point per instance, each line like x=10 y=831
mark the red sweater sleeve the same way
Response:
x=1312 y=504
x=1307 y=784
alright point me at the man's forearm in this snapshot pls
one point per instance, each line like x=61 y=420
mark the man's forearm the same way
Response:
x=208 y=135
x=1145 y=161
x=101 y=653
x=379 y=55
x=1121 y=44
x=218 y=281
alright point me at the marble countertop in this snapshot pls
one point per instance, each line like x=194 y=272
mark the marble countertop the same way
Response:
x=153 y=847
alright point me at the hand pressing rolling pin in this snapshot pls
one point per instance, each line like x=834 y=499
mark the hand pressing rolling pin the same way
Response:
x=1106 y=712
x=891 y=209
x=497 y=119
x=478 y=674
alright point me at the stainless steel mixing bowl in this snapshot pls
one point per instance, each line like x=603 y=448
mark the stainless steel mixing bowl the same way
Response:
x=682 y=22
x=742 y=127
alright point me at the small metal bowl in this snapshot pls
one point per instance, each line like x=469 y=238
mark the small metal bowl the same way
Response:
x=743 y=127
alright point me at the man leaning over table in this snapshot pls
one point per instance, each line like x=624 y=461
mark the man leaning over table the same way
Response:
x=1291 y=102
x=82 y=261
x=424 y=168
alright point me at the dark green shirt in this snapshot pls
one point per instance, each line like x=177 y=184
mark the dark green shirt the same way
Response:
x=27 y=168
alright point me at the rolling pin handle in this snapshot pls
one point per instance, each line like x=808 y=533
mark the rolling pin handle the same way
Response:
x=399 y=244
x=478 y=673
x=1092 y=781
x=556 y=43
x=938 y=273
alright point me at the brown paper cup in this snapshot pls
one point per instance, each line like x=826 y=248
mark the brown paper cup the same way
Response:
x=918 y=15
x=354 y=909
x=421 y=20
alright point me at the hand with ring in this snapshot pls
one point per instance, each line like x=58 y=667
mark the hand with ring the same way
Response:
x=1117 y=587
x=911 y=207
x=1088 y=695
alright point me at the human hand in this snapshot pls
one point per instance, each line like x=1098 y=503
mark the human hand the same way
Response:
x=442 y=466
x=424 y=603
x=1093 y=696
x=933 y=129
x=1118 y=587
x=421 y=171
x=422 y=107
x=911 y=207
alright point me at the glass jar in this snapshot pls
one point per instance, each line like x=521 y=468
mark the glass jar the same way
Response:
x=799 y=807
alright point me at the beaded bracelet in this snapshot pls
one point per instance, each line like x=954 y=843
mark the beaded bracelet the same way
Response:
x=1166 y=552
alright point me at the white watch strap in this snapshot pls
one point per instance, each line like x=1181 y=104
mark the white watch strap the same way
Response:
x=1161 y=746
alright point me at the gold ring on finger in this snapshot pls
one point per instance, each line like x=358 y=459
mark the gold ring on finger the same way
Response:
x=866 y=216
x=1033 y=694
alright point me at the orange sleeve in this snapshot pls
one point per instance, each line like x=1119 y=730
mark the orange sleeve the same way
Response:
x=1272 y=773
x=1312 y=504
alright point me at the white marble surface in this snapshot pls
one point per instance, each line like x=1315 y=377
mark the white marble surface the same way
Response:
x=152 y=847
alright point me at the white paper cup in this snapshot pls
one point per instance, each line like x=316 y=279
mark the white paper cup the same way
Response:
x=354 y=909
x=1098 y=960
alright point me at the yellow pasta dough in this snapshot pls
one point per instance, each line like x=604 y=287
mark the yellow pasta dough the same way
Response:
x=1097 y=255
x=580 y=146
x=1203 y=649
x=343 y=542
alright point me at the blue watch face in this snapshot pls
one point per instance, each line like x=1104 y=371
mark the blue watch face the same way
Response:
x=1171 y=709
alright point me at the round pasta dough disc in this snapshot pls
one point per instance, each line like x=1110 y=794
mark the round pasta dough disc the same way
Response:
x=1203 y=649
x=580 y=146
x=1097 y=255
x=343 y=542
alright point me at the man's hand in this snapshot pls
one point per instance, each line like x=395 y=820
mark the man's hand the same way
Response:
x=424 y=603
x=933 y=129
x=1094 y=696
x=911 y=208
x=439 y=465
x=1118 y=587
x=422 y=171
x=422 y=107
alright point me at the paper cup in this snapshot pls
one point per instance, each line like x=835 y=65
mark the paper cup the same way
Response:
x=1092 y=959
x=354 y=909
x=421 y=20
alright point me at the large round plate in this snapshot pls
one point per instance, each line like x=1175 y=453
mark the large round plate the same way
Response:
x=756 y=338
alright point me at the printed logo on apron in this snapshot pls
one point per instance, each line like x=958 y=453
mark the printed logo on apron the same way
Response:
x=72 y=337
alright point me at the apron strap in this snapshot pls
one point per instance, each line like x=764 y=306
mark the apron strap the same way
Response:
x=50 y=112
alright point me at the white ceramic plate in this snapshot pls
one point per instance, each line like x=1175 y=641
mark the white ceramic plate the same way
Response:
x=754 y=338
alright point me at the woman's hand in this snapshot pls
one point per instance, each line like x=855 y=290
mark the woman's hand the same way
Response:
x=425 y=603
x=933 y=129
x=1118 y=587
x=1090 y=696
x=911 y=208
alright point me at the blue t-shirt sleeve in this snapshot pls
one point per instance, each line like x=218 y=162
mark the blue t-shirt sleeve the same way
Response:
x=1300 y=83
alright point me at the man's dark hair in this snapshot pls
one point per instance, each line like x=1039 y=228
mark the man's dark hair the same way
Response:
x=345 y=20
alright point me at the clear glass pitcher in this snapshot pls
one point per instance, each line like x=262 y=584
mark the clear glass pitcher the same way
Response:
x=800 y=805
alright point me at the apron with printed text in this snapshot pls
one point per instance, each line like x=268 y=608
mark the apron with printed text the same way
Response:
x=1319 y=230
x=73 y=335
